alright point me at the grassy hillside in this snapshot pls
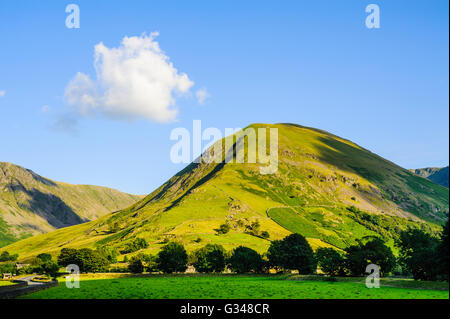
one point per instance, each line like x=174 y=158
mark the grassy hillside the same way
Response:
x=438 y=175
x=31 y=204
x=326 y=188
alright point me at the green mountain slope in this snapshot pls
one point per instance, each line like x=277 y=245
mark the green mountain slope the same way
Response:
x=326 y=188
x=438 y=175
x=31 y=204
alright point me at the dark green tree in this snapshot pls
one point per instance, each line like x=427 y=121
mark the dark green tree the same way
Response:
x=48 y=267
x=6 y=256
x=223 y=229
x=91 y=261
x=44 y=257
x=210 y=258
x=136 y=265
x=245 y=260
x=418 y=254
x=330 y=261
x=373 y=251
x=443 y=253
x=294 y=253
x=67 y=257
x=135 y=245
x=86 y=259
x=172 y=258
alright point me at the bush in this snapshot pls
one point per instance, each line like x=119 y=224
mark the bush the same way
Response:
x=49 y=268
x=223 y=229
x=210 y=258
x=330 y=261
x=293 y=252
x=5 y=256
x=172 y=258
x=265 y=234
x=135 y=245
x=245 y=260
x=7 y=268
x=136 y=265
x=44 y=257
x=372 y=252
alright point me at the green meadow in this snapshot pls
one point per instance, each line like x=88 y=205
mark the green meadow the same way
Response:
x=115 y=286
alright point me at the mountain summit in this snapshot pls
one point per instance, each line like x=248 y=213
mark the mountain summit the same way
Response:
x=326 y=188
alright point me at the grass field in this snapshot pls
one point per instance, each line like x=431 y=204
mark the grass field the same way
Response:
x=6 y=283
x=115 y=286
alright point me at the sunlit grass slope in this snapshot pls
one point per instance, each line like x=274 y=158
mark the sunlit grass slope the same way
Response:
x=319 y=177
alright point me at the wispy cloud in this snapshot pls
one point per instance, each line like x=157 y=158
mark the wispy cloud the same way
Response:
x=202 y=95
x=45 y=109
x=2 y=93
x=66 y=123
x=134 y=80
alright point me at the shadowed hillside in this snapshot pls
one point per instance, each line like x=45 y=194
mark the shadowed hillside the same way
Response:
x=31 y=204
x=438 y=175
x=327 y=188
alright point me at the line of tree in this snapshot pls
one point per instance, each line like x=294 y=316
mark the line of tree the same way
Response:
x=420 y=255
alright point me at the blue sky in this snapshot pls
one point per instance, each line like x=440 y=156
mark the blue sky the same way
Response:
x=308 y=62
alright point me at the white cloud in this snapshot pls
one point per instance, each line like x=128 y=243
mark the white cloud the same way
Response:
x=132 y=81
x=45 y=109
x=202 y=95
x=2 y=93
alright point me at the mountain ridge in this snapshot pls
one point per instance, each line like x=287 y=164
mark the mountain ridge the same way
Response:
x=31 y=204
x=327 y=188
x=438 y=175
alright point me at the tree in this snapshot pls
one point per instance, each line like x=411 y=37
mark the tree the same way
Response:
x=210 y=258
x=7 y=268
x=418 y=254
x=89 y=260
x=136 y=244
x=67 y=257
x=373 y=251
x=6 y=256
x=136 y=265
x=330 y=261
x=49 y=267
x=86 y=259
x=293 y=252
x=172 y=258
x=223 y=229
x=44 y=257
x=245 y=260
x=443 y=253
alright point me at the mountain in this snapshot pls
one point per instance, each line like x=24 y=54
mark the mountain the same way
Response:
x=31 y=204
x=438 y=175
x=327 y=188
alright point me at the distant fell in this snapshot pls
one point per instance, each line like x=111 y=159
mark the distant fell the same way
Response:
x=438 y=175
x=31 y=204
